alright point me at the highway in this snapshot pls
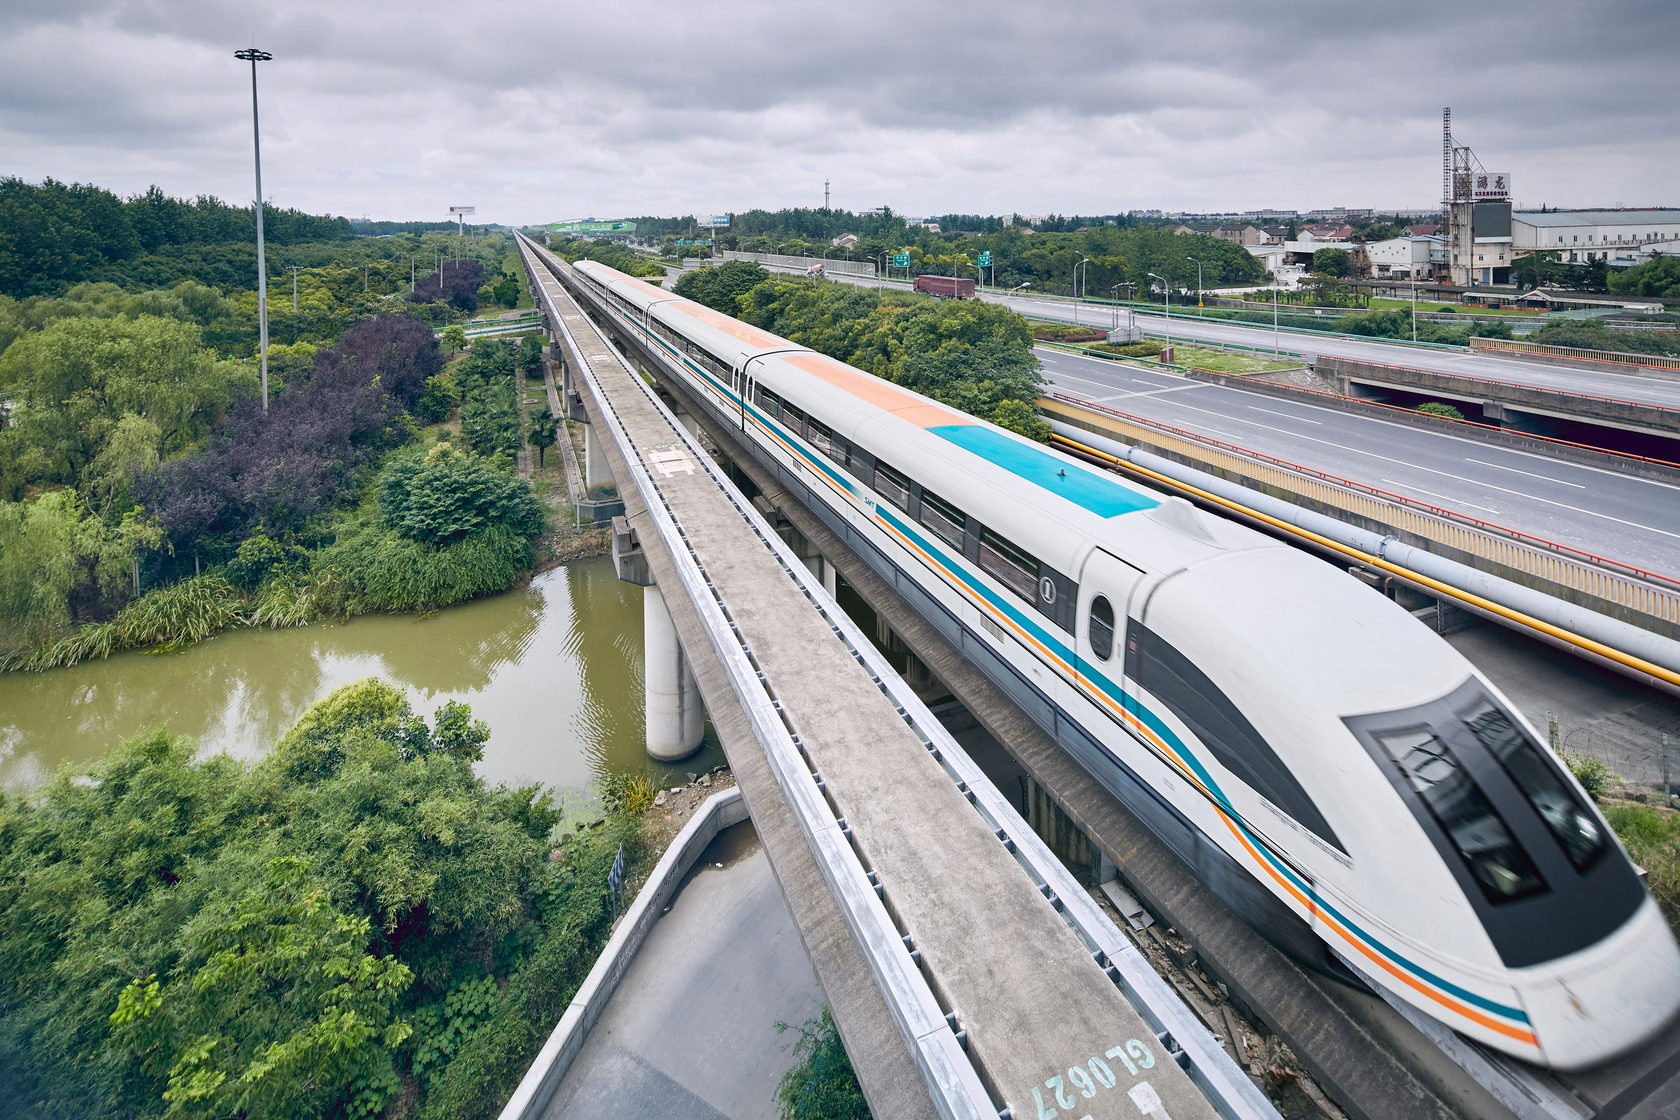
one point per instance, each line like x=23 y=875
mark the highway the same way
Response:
x=1598 y=511
x=1640 y=388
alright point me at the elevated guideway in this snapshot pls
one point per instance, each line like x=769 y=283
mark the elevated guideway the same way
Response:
x=1007 y=988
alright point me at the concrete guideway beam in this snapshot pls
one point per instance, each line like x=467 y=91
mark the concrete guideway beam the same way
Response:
x=675 y=716
x=964 y=928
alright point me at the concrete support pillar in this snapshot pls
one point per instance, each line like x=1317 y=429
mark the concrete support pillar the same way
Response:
x=595 y=471
x=675 y=714
x=831 y=580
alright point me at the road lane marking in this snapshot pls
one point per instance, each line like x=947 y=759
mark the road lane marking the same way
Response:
x=1531 y=474
x=1285 y=415
x=1443 y=497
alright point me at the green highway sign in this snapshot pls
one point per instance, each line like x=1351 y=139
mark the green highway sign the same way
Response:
x=592 y=227
x=901 y=260
x=985 y=258
x=702 y=241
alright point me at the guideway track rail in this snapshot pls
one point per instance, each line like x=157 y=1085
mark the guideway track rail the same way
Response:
x=1059 y=992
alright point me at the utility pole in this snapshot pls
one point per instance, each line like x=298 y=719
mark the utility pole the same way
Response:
x=411 y=274
x=254 y=56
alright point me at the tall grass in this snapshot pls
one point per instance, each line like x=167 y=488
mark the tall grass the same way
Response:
x=96 y=640
x=1652 y=838
x=283 y=603
x=180 y=614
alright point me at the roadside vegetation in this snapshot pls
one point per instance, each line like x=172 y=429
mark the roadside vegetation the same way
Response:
x=1650 y=833
x=148 y=499
x=971 y=355
x=355 y=926
x=820 y=1085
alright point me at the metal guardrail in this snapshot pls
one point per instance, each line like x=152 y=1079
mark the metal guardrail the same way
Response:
x=1648 y=593
x=1524 y=386
x=951 y=1078
x=1614 y=357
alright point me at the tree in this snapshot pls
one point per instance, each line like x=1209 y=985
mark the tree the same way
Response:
x=544 y=433
x=1333 y=262
x=1659 y=276
x=530 y=353
x=454 y=337
x=445 y=495
x=721 y=288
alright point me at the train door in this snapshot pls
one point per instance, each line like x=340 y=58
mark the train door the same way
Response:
x=741 y=384
x=1106 y=583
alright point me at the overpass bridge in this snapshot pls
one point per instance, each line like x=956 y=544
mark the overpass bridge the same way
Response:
x=969 y=973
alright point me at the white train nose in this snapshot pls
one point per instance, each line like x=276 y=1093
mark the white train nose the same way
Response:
x=1589 y=1007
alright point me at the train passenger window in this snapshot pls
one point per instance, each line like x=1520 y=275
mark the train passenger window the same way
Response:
x=1101 y=627
x=1565 y=817
x=1495 y=859
x=892 y=486
x=793 y=417
x=1208 y=713
x=1009 y=565
x=945 y=519
x=820 y=435
x=771 y=402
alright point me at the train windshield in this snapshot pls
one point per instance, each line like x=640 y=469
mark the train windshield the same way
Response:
x=1559 y=807
x=1496 y=861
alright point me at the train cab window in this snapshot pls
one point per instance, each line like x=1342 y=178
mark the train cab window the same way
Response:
x=770 y=402
x=1562 y=811
x=945 y=519
x=892 y=486
x=1496 y=861
x=1209 y=714
x=1101 y=627
x=1008 y=565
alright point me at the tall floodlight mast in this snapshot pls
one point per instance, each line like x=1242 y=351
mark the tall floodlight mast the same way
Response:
x=254 y=56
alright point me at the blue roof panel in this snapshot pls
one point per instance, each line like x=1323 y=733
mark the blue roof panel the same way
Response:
x=1105 y=497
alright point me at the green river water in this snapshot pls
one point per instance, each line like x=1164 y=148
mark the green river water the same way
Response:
x=554 y=668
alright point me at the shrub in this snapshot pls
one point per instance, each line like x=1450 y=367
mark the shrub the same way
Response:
x=258 y=557
x=490 y=418
x=438 y=399
x=1652 y=838
x=1436 y=408
x=1595 y=776
x=382 y=571
x=821 y=1084
x=445 y=495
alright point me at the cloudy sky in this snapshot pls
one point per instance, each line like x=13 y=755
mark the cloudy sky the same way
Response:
x=545 y=110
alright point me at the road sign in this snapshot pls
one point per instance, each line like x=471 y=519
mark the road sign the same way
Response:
x=985 y=258
x=592 y=227
x=901 y=260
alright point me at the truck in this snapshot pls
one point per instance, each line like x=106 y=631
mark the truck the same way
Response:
x=946 y=287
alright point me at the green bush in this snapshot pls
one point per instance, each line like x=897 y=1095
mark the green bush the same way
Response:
x=260 y=557
x=381 y=571
x=444 y=495
x=1595 y=776
x=490 y=418
x=1436 y=408
x=179 y=614
x=440 y=397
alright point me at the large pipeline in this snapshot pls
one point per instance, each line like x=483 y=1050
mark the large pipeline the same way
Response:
x=1649 y=658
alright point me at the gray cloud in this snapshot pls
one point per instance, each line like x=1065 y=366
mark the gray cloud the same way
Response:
x=534 y=111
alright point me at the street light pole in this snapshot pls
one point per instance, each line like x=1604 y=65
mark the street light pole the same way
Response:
x=1167 y=289
x=254 y=56
x=294 y=269
x=1198 y=281
x=1414 y=310
x=1076 y=268
x=1276 y=346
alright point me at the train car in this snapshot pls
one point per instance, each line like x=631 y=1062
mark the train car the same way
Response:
x=1342 y=777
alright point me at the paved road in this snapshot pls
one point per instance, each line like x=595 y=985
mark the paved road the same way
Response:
x=691 y=1030
x=1659 y=391
x=1612 y=515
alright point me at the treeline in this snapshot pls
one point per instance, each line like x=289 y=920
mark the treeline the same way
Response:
x=972 y=355
x=53 y=235
x=356 y=925
x=626 y=260
x=365 y=228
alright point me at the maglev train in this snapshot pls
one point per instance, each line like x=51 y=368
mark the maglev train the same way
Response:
x=1341 y=776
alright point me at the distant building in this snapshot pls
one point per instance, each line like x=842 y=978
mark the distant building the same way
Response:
x=846 y=241
x=1425 y=229
x=1578 y=236
x=1410 y=257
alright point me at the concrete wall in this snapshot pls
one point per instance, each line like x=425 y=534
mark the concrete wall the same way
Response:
x=719 y=812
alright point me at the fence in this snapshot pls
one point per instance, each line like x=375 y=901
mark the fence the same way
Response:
x=777 y=260
x=1613 y=357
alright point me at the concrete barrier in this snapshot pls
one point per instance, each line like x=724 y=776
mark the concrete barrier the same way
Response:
x=720 y=811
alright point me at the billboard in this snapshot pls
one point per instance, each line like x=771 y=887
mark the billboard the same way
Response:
x=592 y=227
x=1485 y=186
x=717 y=221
